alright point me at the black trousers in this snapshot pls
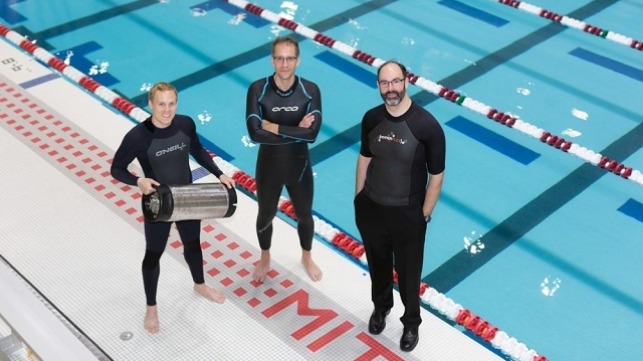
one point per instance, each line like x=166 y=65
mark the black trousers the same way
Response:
x=393 y=236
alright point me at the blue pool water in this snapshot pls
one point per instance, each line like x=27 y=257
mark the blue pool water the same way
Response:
x=553 y=256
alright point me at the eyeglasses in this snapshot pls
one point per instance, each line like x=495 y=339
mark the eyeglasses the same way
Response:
x=394 y=82
x=287 y=59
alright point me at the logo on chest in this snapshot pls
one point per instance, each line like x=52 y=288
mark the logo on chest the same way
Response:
x=391 y=138
x=170 y=149
x=285 y=109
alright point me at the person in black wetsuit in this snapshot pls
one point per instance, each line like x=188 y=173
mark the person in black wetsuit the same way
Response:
x=283 y=115
x=403 y=148
x=162 y=145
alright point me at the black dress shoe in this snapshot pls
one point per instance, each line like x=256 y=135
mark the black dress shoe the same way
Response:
x=409 y=340
x=377 y=322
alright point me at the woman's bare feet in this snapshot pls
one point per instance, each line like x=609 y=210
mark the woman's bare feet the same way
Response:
x=151 y=322
x=209 y=293
x=262 y=267
x=314 y=272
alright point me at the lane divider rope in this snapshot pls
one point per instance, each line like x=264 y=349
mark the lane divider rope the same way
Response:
x=438 y=301
x=504 y=118
x=575 y=24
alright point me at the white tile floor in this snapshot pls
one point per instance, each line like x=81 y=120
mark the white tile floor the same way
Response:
x=76 y=236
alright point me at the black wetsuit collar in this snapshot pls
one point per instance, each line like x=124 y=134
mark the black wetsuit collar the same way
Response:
x=403 y=117
x=281 y=93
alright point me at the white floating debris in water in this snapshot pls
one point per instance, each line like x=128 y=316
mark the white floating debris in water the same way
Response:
x=290 y=5
x=473 y=243
x=289 y=12
x=408 y=41
x=354 y=23
x=549 y=286
x=353 y=42
x=204 y=117
x=199 y=12
x=247 y=142
x=68 y=56
x=237 y=19
x=571 y=132
x=580 y=114
x=523 y=91
x=99 y=68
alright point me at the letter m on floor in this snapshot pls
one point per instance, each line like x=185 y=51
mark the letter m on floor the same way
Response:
x=301 y=298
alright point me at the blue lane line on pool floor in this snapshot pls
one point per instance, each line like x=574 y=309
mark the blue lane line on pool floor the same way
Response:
x=608 y=63
x=8 y=14
x=493 y=140
x=348 y=68
x=633 y=209
x=231 y=10
x=474 y=12
x=79 y=59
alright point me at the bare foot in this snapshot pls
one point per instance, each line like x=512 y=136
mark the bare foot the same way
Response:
x=314 y=272
x=151 y=322
x=209 y=293
x=262 y=267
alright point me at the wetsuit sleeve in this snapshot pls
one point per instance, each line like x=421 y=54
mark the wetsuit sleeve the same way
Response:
x=428 y=131
x=199 y=153
x=437 y=153
x=125 y=154
x=254 y=116
x=301 y=134
x=369 y=121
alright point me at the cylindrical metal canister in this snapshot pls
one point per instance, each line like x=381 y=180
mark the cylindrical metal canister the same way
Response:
x=191 y=201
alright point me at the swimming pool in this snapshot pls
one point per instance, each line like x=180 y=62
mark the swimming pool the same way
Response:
x=555 y=237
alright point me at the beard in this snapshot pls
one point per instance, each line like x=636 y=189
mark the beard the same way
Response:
x=393 y=101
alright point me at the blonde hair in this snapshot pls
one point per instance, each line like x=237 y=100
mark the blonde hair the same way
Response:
x=159 y=87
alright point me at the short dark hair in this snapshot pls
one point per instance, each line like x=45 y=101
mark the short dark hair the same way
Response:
x=400 y=65
x=286 y=40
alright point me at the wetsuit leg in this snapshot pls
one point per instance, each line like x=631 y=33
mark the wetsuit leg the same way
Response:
x=190 y=232
x=268 y=201
x=301 y=191
x=156 y=235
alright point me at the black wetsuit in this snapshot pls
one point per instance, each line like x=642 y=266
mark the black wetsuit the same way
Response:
x=388 y=211
x=163 y=153
x=283 y=159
